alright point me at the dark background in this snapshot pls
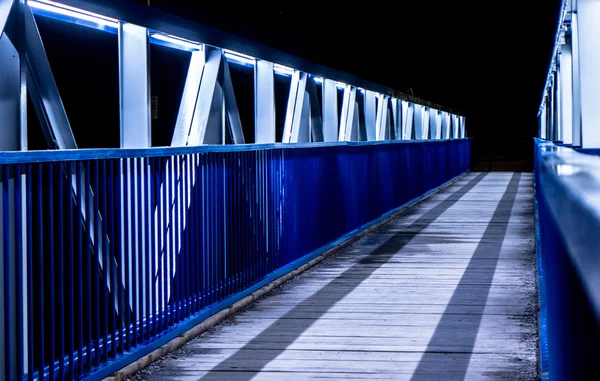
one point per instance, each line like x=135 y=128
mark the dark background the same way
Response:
x=488 y=59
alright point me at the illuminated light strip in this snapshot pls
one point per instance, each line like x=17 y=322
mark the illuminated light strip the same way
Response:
x=177 y=42
x=239 y=58
x=340 y=85
x=282 y=70
x=318 y=79
x=75 y=13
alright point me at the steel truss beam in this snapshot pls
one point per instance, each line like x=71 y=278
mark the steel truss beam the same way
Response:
x=350 y=118
x=42 y=88
x=208 y=109
x=383 y=127
x=434 y=124
x=408 y=121
x=397 y=115
x=5 y=8
x=303 y=121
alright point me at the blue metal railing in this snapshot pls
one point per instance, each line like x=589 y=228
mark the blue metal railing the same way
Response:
x=109 y=254
x=568 y=222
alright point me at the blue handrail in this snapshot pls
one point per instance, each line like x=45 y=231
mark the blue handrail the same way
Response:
x=568 y=207
x=127 y=249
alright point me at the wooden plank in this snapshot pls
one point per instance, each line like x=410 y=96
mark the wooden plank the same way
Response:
x=446 y=291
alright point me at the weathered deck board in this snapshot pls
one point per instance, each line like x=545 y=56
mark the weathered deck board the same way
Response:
x=445 y=291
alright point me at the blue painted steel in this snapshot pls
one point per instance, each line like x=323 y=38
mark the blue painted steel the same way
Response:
x=6 y=276
x=30 y=276
x=155 y=244
x=567 y=224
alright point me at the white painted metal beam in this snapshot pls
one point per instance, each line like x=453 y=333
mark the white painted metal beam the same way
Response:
x=264 y=98
x=134 y=86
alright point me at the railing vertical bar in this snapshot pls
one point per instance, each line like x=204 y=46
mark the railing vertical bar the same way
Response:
x=111 y=216
x=88 y=255
x=240 y=210
x=51 y=303
x=192 y=233
x=134 y=224
x=171 y=211
x=167 y=241
x=61 y=282
x=79 y=266
x=6 y=276
x=126 y=254
x=196 y=233
x=159 y=187
x=40 y=279
x=163 y=238
x=204 y=231
x=148 y=245
x=212 y=226
x=103 y=236
x=177 y=273
x=95 y=214
x=119 y=251
x=230 y=208
x=68 y=194
x=186 y=235
x=30 y=276
x=19 y=268
x=139 y=253
x=184 y=264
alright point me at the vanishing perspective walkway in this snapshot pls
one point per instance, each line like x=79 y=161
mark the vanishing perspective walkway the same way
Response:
x=445 y=291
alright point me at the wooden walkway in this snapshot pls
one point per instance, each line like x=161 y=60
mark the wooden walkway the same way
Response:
x=445 y=291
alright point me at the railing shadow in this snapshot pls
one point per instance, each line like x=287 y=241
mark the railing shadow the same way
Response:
x=333 y=292
x=446 y=335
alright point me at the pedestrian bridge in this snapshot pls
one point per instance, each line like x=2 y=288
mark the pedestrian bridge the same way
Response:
x=252 y=215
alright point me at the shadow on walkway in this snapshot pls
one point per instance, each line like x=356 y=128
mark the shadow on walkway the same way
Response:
x=335 y=291
x=446 y=335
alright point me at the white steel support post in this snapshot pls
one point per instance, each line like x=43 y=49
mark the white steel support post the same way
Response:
x=542 y=119
x=434 y=128
x=396 y=116
x=408 y=122
x=418 y=116
x=371 y=114
x=445 y=125
x=552 y=110
x=576 y=89
x=264 y=95
x=426 y=124
x=330 y=111
x=297 y=120
x=558 y=102
x=463 y=131
x=382 y=126
x=349 y=118
x=134 y=86
x=455 y=127
x=588 y=29
x=567 y=92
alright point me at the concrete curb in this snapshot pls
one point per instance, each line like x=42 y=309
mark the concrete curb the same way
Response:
x=217 y=318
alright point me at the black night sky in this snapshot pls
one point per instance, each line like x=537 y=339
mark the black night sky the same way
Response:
x=487 y=59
